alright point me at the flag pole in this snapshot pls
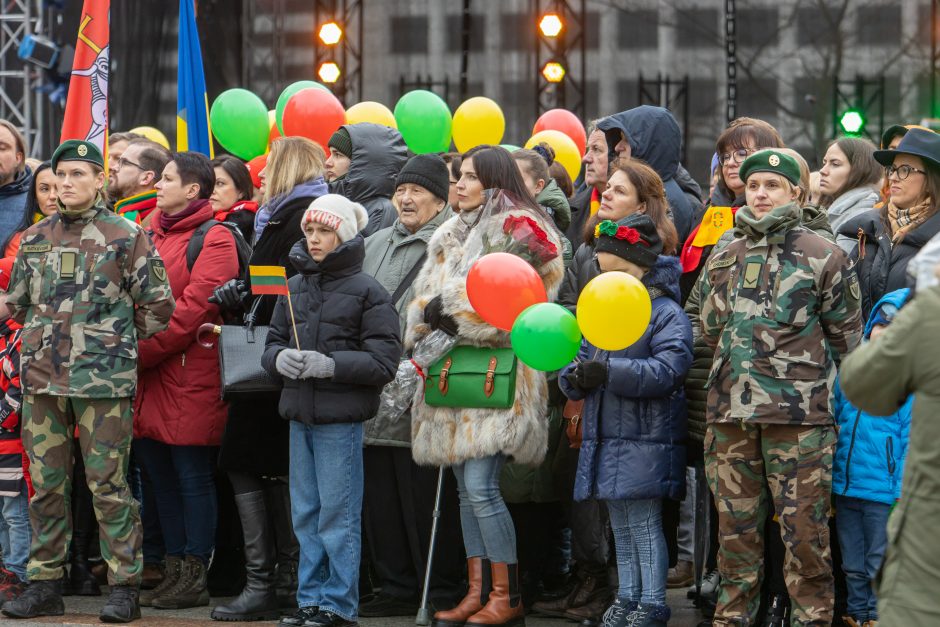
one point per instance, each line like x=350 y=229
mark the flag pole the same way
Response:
x=293 y=321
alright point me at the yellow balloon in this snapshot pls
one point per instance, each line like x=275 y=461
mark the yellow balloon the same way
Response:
x=368 y=111
x=566 y=151
x=614 y=310
x=477 y=121
x=152 y=134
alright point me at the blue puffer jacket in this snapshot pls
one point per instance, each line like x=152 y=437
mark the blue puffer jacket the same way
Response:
x=869 y=459
x=635 y=424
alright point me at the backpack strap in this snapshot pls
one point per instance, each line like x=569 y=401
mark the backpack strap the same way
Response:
x=409 y=279
x=196 y=242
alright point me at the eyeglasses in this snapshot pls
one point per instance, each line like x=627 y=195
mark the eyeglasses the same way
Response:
x=123 y=162
x=902 y=171
x=738 y=155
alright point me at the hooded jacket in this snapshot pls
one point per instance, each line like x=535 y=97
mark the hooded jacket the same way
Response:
x=347 y=315
x=13 y=204
x=881 y=267
x=552 y=198
x=378 y=155
x=178 y=398
x=654 y=137
x=635 y=424
x=849 y=205
x=869 y=459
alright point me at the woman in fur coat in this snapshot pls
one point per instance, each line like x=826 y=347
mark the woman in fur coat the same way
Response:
x=477 y=442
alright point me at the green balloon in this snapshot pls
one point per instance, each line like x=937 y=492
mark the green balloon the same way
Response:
x=289 y=91
x=546 y=337
x=510 y=147
x=239 y=122
x=424 y=121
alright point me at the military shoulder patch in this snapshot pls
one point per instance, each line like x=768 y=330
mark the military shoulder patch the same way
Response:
x=722 y=262
x=158 y=270
x=854 y=288
x=36 y=248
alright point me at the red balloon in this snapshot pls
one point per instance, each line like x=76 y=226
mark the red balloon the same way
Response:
x=566 y=122
x=313 y=113
x=501 y=286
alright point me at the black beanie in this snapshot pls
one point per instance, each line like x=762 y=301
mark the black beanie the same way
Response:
x=429 y=171
x=341 y=141
x=633 y=238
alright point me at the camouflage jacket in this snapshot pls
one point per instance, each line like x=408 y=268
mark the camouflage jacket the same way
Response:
x=779 y=306
x=85 y=289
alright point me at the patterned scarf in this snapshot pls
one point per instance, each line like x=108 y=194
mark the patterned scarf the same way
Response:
x=903 y=221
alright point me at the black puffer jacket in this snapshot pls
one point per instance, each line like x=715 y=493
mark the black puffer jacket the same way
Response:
x=882 y=268
x=347 y=315
x=581 y=270
x=378 y=155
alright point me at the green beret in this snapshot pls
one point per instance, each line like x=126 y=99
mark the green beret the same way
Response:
x=77 y=150
x=771 y=161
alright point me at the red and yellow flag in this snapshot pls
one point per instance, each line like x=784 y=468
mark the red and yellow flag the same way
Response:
x=268 y=280
x=86 y=107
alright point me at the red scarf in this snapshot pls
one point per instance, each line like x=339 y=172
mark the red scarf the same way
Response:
x=242 y=205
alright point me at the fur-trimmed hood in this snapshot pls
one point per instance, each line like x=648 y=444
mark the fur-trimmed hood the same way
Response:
x=664 y=277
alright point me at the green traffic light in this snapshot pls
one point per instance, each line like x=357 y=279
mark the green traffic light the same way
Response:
x=852 y=122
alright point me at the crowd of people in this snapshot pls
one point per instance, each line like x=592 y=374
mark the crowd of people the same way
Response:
x=786 y=364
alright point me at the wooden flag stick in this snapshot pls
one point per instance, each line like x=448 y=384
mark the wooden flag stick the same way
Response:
x=293 y=321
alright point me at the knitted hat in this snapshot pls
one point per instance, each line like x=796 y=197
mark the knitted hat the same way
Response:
x=429 y=171
x=6 y=269
x=77 y=150
x=337 y=212
x=633 y=238
x=773 y=162
x=341 y=141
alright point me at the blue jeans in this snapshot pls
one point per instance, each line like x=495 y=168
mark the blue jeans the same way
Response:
x=326 y=507
x=642 y=556
x=184 y=492
x=863 y=537
x=17 y=534
x=487 y=526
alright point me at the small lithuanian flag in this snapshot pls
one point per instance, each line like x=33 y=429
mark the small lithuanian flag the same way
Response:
x=268 y=280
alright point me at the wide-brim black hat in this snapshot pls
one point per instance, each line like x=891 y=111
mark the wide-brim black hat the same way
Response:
x=918 y=142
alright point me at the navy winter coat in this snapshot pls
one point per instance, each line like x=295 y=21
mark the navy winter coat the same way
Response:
x=654 y=137
x=344 y=314
x=635 y=425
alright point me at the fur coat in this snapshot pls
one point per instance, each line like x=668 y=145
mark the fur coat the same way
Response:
x=443 y=436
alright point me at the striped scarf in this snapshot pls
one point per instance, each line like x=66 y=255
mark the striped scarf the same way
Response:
x=903 y=221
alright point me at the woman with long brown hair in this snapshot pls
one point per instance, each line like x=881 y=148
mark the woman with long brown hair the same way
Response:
x=632 y=187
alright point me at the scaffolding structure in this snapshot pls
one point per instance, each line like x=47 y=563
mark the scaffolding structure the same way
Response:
x=20 y=100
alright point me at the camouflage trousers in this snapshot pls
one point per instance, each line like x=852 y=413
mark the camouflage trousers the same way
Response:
x=751 y=468
x=105 y=428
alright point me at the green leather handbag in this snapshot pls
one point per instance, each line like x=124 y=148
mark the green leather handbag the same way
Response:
x=472 y=377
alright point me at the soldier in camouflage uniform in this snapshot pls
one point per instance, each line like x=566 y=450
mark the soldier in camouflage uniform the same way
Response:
x=779 y=306
x=86 y=284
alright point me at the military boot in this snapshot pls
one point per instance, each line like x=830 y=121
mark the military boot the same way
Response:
x=41 y=598
x=174 y=570
x=189 y=591
x=123 y=605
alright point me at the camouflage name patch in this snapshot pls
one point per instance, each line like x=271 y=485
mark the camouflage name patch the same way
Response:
x=158 y=270
x=719 y=263
x=36 y=248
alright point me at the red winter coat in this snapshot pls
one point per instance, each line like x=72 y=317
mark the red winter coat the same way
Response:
x=178 y=397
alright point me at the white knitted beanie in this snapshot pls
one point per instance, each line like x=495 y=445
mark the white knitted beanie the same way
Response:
x=339 y=213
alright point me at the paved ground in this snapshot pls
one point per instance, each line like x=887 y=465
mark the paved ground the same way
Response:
x=84 y=611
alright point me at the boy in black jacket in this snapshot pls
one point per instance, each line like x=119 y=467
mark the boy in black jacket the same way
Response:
x=349 y=349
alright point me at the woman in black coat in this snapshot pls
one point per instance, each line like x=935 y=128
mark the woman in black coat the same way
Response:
x=254 y=449
x=888 y=238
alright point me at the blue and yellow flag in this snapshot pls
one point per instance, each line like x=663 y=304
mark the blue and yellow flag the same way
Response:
x=192 y=103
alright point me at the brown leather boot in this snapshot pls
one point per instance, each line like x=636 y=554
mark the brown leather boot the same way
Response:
x=504 y=609
x=478 y=575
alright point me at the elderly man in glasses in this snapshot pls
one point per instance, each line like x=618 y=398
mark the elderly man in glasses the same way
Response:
x=131 y=178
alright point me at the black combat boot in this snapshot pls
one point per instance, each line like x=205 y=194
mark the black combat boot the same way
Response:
x=123 y=605
x=41 y=598
x=257 y=601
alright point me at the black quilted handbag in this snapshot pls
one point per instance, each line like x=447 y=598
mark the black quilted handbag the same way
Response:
x=240 y=350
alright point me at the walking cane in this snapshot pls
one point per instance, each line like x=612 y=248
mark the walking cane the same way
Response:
x=424 y=612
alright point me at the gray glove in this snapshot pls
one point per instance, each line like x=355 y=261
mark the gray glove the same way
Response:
x=317 y=365
x=290 y=363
